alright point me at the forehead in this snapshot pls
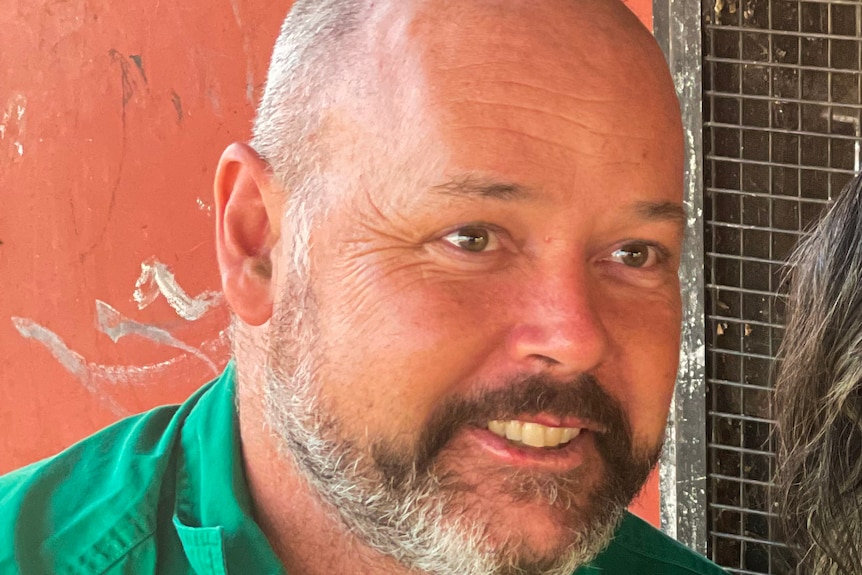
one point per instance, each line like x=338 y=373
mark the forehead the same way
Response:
x=552 y=95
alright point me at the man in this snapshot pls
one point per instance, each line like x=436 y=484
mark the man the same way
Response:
x=451 y=250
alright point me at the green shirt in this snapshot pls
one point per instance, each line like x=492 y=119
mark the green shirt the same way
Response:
x=165 y=492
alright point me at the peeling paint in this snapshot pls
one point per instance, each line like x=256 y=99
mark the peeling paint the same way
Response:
x=677 y=25
x=667 y=476
x=157 y=279
x=116 y=326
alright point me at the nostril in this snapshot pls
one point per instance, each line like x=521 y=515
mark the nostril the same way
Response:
x=545 y=360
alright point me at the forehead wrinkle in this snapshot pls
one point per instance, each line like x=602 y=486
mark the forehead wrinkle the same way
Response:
x=537 y=108
x=583 y=150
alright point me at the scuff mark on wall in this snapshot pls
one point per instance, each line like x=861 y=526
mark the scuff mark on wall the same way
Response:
x=246 y=47
x=215 y=100
x=204 y=207
x=218 y=346
x=116 y=326
x=72 y=361
x=130 y=82
x=13 y=124
x=139 y=62
x=157 y=279
x=94 y=377
x=178 y=105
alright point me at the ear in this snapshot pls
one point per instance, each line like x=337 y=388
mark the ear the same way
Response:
x=248 y=223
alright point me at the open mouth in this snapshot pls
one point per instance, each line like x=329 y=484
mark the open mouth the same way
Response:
x=531 y=434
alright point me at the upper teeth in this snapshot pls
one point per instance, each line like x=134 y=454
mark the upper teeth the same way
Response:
x=533 y=434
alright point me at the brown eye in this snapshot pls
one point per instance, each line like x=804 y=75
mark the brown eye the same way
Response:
x=635 y=255
x=471 y=238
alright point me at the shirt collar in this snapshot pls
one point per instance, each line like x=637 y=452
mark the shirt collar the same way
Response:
x=213 y=508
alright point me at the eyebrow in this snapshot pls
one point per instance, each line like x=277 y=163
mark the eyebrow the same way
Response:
x=661 y=212
x=472 y=186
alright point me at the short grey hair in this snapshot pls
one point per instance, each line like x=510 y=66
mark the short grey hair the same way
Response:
x=310 y=61
x=311 y=56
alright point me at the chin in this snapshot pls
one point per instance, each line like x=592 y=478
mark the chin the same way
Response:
x=533 y=532
x=539 y=518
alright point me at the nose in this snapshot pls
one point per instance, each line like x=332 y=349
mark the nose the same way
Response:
x=560 y=327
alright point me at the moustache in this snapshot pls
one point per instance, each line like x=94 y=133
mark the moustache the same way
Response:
x=582 y=398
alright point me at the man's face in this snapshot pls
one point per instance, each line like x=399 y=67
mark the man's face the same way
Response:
x=491 y=324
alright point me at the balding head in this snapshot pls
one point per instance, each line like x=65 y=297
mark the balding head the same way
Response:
x=382 y=60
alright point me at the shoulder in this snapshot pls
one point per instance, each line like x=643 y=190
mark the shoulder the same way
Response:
x=641 y=548
x=79 y=510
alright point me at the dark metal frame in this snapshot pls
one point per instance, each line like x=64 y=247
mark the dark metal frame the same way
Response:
x=770 y=142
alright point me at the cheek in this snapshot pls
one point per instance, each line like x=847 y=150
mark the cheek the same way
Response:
x=400 y=347
x=644 y=361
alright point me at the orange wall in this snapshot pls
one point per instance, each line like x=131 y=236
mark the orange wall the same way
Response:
x=112 y=118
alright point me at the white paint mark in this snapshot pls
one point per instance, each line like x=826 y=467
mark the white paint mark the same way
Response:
x=667 y=476
x=218 y=346
x=13 y=122
x=236 y=13
x=246 y=46
x=93 y=376
x=695 y=358
x=72 y=361
x=249 y=82
x=204 y=207
x=156 y=278
x=88 y=372
x=215 y=103
x=117 y=326
x=6 y=117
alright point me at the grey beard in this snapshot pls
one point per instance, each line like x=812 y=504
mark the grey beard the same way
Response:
x=421 y=521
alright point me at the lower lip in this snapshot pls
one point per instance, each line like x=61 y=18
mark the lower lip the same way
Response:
x=563 y=458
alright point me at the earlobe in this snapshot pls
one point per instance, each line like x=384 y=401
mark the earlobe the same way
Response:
x=248 y=215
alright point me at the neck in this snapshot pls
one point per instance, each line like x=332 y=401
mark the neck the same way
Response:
x=305 y=532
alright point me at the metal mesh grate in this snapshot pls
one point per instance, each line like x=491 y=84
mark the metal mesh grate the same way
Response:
x=782 y=104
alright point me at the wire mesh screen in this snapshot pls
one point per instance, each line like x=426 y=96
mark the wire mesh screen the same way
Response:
x=782 y=89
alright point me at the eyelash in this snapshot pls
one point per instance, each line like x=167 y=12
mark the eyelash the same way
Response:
x=654 y=251
x=657 y=254
x=494 y=235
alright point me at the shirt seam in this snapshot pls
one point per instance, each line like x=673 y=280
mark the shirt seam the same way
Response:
x=127 y=552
